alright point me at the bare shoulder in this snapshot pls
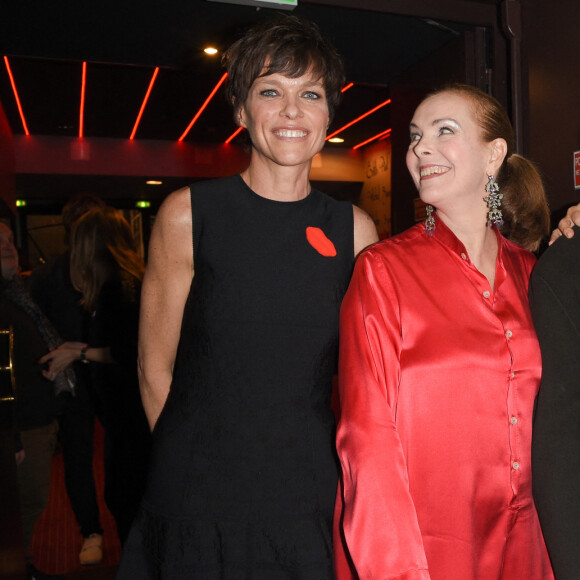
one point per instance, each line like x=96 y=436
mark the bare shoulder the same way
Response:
x=171 y=236
x=176 y=208
x=365 y=231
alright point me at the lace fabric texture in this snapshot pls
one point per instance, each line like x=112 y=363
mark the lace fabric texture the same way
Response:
x=232 y=549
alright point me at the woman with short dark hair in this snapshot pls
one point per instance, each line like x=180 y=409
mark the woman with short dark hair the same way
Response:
x=239 y=336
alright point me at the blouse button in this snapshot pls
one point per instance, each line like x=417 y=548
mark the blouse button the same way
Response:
x=512 y=375
x=516 y=465
x=508 y=333
x=513 y=420
x=464 y=255
x=486 y=294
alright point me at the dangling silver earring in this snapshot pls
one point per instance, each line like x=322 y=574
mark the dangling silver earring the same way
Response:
x=430 y=221
x=493 y=200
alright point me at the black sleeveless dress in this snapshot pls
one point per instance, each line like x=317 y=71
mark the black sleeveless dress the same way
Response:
x=243 y=472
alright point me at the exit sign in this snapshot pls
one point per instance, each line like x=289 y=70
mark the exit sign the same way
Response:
x=577 y=169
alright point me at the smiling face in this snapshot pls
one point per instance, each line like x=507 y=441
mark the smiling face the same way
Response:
x=286 y=118
x=8 y=252
x=447 y=157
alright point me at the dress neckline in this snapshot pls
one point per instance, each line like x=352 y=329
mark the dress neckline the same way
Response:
x=257 y=196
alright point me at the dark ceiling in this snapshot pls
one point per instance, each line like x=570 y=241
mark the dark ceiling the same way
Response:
x=123 y=41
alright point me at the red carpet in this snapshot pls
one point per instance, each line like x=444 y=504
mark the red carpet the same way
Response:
x=57 y=542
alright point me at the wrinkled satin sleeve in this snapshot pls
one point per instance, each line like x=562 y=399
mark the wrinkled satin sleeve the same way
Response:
x=379 y=521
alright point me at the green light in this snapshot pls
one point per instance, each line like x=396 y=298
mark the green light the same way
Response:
x=143 y=204
x=20 y=203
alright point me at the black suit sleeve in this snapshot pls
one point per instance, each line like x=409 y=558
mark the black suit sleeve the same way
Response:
x=555 y=303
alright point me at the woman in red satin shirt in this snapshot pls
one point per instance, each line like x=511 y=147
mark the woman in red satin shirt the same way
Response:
x=440 y=365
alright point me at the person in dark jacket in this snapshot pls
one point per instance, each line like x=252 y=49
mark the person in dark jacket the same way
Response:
x=36 y=406
x=52 y=289
x=555 y=304
x=107 y=271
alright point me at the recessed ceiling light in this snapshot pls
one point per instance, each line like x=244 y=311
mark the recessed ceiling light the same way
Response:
x=153 y=182
x=210 y=50
x=336 y=140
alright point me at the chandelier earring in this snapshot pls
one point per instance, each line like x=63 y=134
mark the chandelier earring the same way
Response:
x=493 y=200
x=430 y=221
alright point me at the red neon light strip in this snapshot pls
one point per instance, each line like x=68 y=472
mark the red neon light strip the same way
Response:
x=205 y=104
x=358 y=119
x=346 y=87
x=24 y=125
x=234 y=135
x=82 y=108
x=383 y=134
x=151 y=83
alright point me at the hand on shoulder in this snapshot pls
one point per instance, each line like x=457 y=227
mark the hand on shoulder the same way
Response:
x=566 y=224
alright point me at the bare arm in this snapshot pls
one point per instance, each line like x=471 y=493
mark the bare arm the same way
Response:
x=165 y=289
x=365 y=231
x=60 y=358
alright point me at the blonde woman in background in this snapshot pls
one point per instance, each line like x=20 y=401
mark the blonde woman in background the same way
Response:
x=107 y=270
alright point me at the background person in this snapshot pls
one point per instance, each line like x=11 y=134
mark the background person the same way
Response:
x=243 y=473
x=107 y=271
x=36 y=405
x=440 y=365
x=52 y=290
x=555 y=304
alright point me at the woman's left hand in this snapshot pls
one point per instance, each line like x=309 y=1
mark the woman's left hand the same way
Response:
x=60 y=358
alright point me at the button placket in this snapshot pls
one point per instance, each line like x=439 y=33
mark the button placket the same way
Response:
x=512 y=417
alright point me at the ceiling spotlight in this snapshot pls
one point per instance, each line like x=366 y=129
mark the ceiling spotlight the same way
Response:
x=153 y=182
x=336 y=140
x=210 y=50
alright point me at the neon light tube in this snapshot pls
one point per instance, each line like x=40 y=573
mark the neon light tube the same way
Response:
x=205 y=104
x=18 y=104
x=151 y=83
x=358 y=119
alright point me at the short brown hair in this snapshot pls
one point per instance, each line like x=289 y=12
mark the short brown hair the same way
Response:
x=524 y=205
x=289 y=45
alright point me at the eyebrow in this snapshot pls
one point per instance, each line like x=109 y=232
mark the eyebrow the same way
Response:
x=446 y=120
x=436 y=122
x=268 y=80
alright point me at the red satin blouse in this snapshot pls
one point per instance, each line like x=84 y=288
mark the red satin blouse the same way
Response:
x=438 y=375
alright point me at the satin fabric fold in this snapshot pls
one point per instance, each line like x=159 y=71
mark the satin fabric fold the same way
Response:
x=438 y=375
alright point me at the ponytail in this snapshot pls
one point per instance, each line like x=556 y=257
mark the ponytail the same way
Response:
x=524 y=206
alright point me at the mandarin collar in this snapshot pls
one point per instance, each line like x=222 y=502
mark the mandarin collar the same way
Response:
x=446 y=237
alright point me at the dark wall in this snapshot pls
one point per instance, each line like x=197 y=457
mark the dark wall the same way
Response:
x=7 y=181
x=551 y=48
x=461 y=60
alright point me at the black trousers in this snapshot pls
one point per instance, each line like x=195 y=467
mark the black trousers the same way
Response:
x=76 y=436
